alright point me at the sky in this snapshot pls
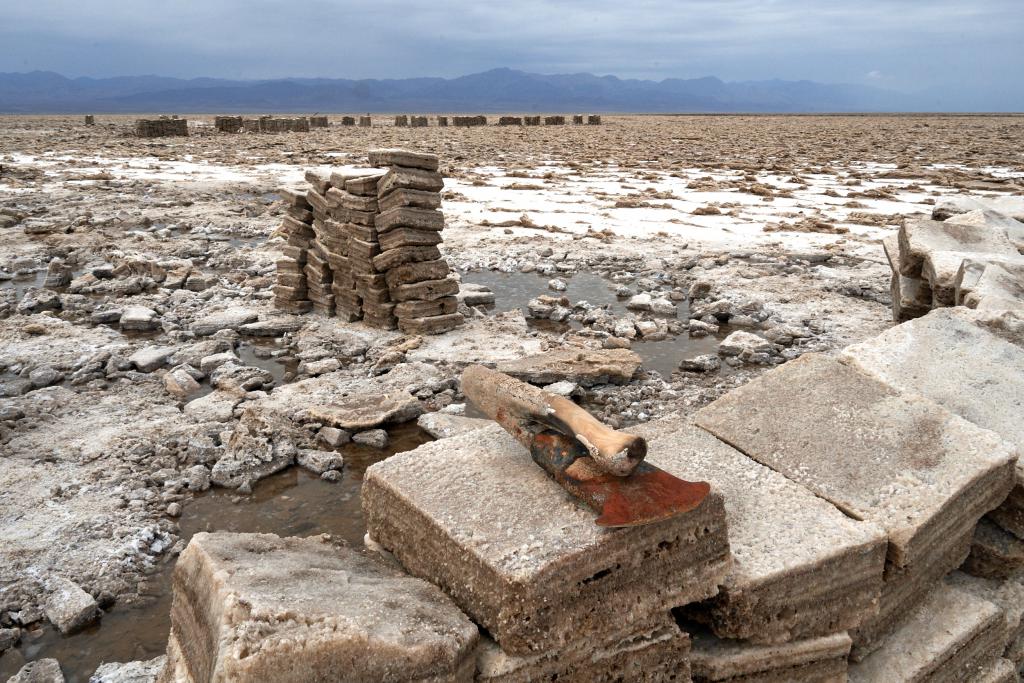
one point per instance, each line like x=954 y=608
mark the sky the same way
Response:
x=906 y=45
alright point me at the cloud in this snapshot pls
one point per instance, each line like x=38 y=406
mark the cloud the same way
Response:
x=924 y=43
x=874 y=74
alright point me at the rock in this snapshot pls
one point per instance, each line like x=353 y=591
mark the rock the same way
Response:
x=953 y=636
x=9 y=637
x=538 y=554
x=274 y=326
x=615 y=343
x=150 y=358
x=16 y=387
x=475 y=295
x=39 y=671
x=639 y=302
x=662 y=306
x=197 y=478
x=68 y=607
x=38 y=300
x=139 y=319
x=562 y=388
x=443 y=426
x=705 y=363
x=585 y=367
x=240 y=379
x=109 y=316
x=231 y=319
x=319 y=462
x=624 y=328
x=180 y=383
x=255 y=607
x=361 y=412
x=1008 y=205
x=333 y=437
x=194 y=353
x=740 y=342
x=129 y=672
x=218 y=406
x=45 y=375
x=374 y=438
x=557 y=285
x=210 y=363
x=260 y=445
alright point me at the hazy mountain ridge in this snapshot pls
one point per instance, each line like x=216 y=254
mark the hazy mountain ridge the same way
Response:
x=497 y=90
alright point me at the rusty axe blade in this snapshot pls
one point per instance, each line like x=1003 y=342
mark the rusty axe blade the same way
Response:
x=599 y=466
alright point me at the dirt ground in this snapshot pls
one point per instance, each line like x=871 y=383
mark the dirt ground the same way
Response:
x=760 y=224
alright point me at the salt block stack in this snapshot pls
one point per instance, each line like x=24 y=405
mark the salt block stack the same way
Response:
x=969 y=260
x=250 y=608
x=899 y=460
x=577 y=119
x=731 y=661
x=401 y=121
x=554 y=120
x=161 y=127
x=419 y=121
x=228 y=124
x=442 y=121
x=474 y=515
x=421 y=295
x=971 y=363
x=365 y=122
x=359 y=290
x=348 y=121
x=319 y=275
x=318 y=122
x=291 y=292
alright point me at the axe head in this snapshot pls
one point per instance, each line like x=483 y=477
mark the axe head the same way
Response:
x=648 y=495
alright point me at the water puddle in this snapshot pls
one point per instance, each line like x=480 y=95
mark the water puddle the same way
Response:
x=21 y=283
x=290 y=503
x=261 y=354
x=514 y=290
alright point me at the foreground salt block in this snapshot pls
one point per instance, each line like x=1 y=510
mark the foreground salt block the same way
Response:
x=257 y=607
x=906 y=463
x=476 y=516
x=657 y=653
x=952 y=636
x=995 y=553
x=911 y=296
x=952 y=359
x=811 y=659
x=999 y=287
x=585 y=367
x=934 y=251
x=1006 y=594
x=801 y=567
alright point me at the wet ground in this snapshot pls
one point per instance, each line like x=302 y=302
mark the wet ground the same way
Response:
x=293 y=502
x=514 y=290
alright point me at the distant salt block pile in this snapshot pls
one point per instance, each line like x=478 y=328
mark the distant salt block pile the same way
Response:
x=922 y=474
x=318 y=122
x=970 y=259
x=408 y=227
x=271 y=124
x=90 y=120
x=476 y=516
x=469 y=121
x=228 y=124
x=161 y=128
x=251 y=608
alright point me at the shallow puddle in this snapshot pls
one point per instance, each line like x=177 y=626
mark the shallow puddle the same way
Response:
x=290 y=503
x=22 y=283
x=514 y=290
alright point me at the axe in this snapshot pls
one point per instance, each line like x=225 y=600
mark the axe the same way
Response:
x=601 y=467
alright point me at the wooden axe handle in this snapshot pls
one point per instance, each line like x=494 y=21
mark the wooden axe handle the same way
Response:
x=499 y=396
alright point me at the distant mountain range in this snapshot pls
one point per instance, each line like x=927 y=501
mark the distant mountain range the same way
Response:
x=498 y=90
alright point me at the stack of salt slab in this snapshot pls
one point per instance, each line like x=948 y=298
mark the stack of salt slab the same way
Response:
x=319 y=274
x=972 y=259
x=291 y=292
x=360 y=290
x=408 y=229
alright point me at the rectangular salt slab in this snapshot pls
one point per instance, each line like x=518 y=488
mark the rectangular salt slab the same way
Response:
x=802 y=568
x=250 y=608
x=476 y=516
x=897 y=459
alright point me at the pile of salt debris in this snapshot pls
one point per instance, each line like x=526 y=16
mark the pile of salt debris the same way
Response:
x=971 y=258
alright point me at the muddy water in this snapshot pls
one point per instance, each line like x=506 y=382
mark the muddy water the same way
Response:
x=22 y=283
x=290 y=503
x=514 y=290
